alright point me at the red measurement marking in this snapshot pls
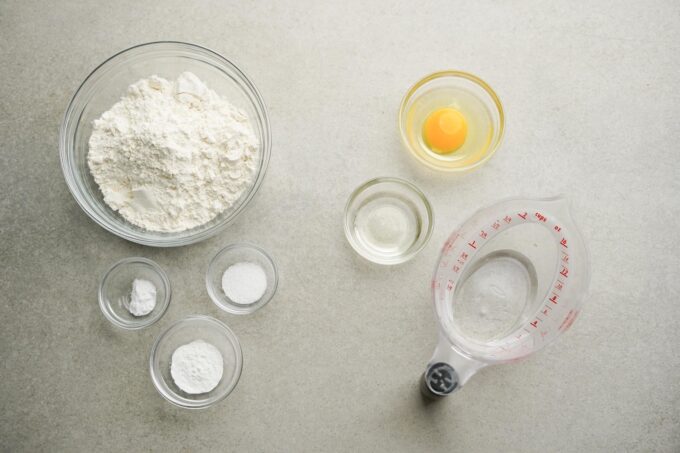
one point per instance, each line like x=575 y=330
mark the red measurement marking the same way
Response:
x=473 y=244
x=534 y=323
x=540 y=217
x=483 y=234
x=507 y=219
x=548 y=307
x=496 y=225
x=553 y=299
x=464 y=256
x=564 y=272
x=435 y=284
x=444 y=263
x=545 y=312
x=558 y=286
x=568 y=320
x=455 y=268
x=558 y=228
x=450 y=285
x=448 y=245
x=565 y=257
x=563 y=243
x=523 y=215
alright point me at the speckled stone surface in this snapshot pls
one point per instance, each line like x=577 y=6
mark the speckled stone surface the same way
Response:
x=332 y=363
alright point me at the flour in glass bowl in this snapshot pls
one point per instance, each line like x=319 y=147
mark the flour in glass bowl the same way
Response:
x=172 y=155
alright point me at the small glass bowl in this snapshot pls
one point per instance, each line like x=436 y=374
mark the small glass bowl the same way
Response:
x=237 y=253
x=397 y=194
x=185 y=331
x=115 y=287
x=463 y=83
x=105 y=86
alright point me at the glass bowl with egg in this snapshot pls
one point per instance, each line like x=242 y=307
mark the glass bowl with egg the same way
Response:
x=451 y=121
x=104 y=87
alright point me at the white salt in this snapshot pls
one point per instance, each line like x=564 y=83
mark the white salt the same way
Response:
x=244 y=283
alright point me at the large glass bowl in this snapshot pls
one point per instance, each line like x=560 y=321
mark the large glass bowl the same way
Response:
x=105 y=86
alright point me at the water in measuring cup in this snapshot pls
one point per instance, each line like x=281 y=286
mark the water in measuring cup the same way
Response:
x=387 y=226
x=503 y=288
x=492 y=298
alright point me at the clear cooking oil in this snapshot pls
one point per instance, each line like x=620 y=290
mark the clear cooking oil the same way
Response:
x=387 y=226
x=450 y=125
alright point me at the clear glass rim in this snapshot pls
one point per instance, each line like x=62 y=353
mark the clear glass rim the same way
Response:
x=169 y=396
x=212 y=290
x=464 y=75
x=412 y=188
x=143 y=323
x=69 y=122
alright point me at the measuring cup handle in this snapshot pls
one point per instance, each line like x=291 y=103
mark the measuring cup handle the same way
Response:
x=447 y=371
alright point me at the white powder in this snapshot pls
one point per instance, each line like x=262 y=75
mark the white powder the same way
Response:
x=172 y=155
x=244 y=283
x=142 y=297
x=196 y=367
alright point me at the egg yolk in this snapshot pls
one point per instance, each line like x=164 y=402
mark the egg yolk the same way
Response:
x=445 y=130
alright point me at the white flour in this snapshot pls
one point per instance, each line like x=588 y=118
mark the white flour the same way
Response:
x=170 y=156
x=196 y=367
x=142 y=297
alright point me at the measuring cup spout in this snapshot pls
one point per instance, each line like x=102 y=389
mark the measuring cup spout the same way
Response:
x=448 y=370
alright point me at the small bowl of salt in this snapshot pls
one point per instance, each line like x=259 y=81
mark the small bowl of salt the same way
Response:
x=241 y=278
x=134 y=293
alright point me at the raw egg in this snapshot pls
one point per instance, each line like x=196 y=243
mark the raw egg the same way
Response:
x=445 y=130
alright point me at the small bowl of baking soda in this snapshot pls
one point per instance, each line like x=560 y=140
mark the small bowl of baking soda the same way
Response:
x=196 y=362
x=134 y=293
x=241 y=278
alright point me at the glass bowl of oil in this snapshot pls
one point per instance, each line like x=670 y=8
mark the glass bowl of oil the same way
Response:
x=388 y=220
x=451 y=121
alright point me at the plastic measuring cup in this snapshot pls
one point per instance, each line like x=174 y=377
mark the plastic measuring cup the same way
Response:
x=509 y=281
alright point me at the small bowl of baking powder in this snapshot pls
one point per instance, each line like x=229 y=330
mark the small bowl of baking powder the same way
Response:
x=241 y=278
x=134 y=293
x=196 y=362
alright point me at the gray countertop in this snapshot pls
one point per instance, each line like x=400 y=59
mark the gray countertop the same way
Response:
x=592 y=100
